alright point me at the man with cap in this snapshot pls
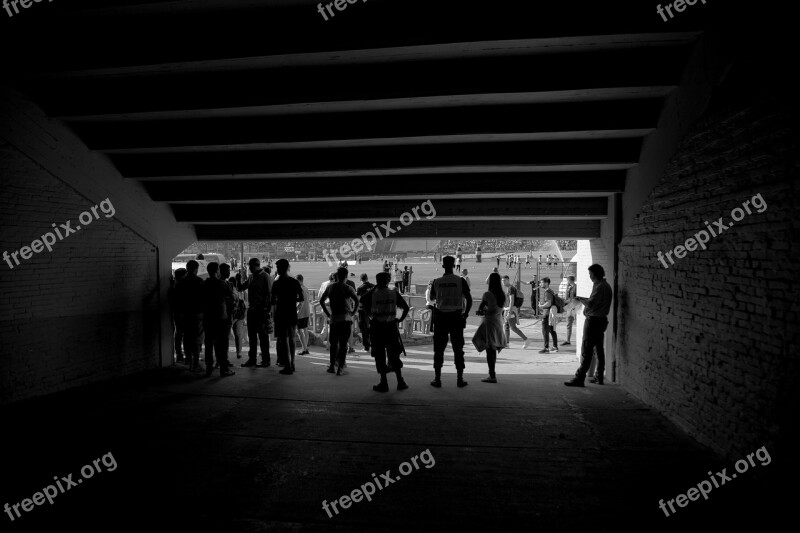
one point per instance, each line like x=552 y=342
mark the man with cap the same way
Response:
x=380 y=305
x=453 y=302
x=259 y=289
x=286 y=292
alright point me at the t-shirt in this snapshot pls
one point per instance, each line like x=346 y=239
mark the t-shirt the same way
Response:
x=286 y=292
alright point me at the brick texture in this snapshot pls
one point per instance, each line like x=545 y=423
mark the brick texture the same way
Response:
x=85 y=312
x=712 y=341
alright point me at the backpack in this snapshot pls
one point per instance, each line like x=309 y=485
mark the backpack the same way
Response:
x=558 y=302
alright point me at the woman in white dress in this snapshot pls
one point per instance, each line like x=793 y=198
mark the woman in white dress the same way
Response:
x=490 y=336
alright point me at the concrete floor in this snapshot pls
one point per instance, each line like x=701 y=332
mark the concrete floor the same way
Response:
x=260 y=452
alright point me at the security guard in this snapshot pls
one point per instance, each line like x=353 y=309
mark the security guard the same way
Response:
x=453 y=302
x=380 y=305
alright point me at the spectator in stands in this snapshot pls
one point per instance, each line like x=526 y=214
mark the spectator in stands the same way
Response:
x=303 y=314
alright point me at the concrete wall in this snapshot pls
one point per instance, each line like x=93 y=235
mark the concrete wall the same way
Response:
x=92 y=309
x=712 y=341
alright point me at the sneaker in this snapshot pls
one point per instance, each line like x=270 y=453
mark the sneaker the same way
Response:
x=596 y=379
x=227 y=372
x=437 y=383
x=250 y=362
x=574 y=382
x=209 y=373
x=339 y=371
x=546 y=350
x=490 y=379
x=554 y=349
x=331 y=370
x=461 y=383
x=381 y=387
x=566 y=343
x=293 y=370
x=286 y=371
x=528 y=342
x=263 y=364
x=401 y=384
x=351 y=350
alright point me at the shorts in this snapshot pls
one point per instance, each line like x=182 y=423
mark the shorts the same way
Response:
x=302 y=323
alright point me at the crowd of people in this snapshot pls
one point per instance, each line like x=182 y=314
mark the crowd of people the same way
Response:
x=207 y=311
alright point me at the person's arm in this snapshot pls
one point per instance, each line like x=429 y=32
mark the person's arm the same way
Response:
x=323 y=299
x=242 y=285
x=467 y=297
x=402 y=304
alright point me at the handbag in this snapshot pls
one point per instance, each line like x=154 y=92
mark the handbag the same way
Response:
x=479 y=339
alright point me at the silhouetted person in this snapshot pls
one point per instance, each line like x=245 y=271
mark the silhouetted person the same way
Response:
x=216 y=297
x=547 y=301
x=286 y=292
x=572 y=290
x=453 y=302
x=489 y=334
x=239 y=313
x=187 y=295
x=303 y=315
x=363 y=323
x=596 y=308
x=224 y=274
x=380 y=305
x=512 y=312
x=343 y=302
x=177 y=319
x=259 y=287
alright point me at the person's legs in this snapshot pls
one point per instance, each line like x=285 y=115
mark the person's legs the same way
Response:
x=512 y=324
x=570 y=321
x=491 y=359
x=254 y=323
x=263 y=337
x=457 y=342
x=333 y=346
x=344 y=337
x=555 y=336
x=303 y=334
x=238 y=336
x=590 y=328
x=178 y=322
x=211 y=337
x=546 y=330
x=292 y=347
x=600 y=348
x=221 y=345
x=441 y=334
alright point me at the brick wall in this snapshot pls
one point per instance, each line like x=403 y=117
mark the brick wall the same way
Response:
x=88 y=310
x=713 y=341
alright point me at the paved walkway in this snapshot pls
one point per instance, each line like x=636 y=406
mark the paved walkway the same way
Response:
x=261 y=452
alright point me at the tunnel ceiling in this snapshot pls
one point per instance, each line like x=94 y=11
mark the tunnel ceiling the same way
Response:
x=262 y=120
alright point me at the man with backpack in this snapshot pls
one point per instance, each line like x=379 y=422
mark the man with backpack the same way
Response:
x=548 y=300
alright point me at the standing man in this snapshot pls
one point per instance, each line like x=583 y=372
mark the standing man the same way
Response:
x=363 y=323
x=327 y=325
x=177 y=320
x=187 y=296
x=340 y=295
x=572 y=290
x=458 y=263
x=546 y=302
x=597 y=307
x=217 y=298
x=453 y=302
x=286 y=292
x=498 y=261
x=381 y=305
x=231 y=297
x=465 y=275
x=259 y=289
x=406 y=278
x=512 y=313
x=303 y=314
x=398 y=279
